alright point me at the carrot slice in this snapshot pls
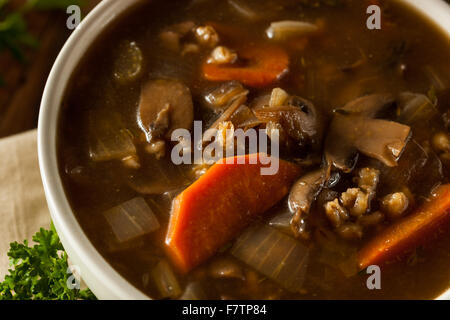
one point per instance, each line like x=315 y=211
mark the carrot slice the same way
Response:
x=408 y=232
x=266 y=64
x=214 y=209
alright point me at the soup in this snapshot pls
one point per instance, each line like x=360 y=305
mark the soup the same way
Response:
x=342 y=175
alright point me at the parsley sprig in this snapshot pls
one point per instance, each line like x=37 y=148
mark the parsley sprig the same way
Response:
x=40 y=272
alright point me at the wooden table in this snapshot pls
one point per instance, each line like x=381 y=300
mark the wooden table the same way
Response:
x=21 y=92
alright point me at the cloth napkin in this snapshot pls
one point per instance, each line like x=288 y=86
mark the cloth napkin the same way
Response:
x=23 y=208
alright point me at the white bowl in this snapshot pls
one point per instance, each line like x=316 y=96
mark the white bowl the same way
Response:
x=102 y=279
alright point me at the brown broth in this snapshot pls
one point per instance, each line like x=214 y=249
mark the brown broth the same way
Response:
x=315 y=73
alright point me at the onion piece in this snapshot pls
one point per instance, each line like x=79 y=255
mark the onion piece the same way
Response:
x=220 y=98
x=225 y=268
x=165 y=280
x=243 y=10
x=244 y=117
x=370 y=105
x=278 y=97
x=113 y=245
x=193 y=291
x=436 y=78
x=288 y=28
x=128 y=64
x=417 y=168
x=131 y=219
x=108 y=138
x=282 y=221
x=415 y=108
x=274 y=254
x=159 y=177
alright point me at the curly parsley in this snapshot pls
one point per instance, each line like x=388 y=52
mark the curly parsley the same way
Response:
x=40 y=272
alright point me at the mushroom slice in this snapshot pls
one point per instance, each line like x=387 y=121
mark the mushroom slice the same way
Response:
x=225 y=116
x=304 y=191
x=380 y=139
x=165 y=105
x=299 y=118
x=301 y=196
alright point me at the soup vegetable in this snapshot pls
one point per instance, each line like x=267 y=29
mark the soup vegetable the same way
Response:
x=361 y=117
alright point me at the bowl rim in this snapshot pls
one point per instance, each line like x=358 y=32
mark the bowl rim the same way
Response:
x=104 y=281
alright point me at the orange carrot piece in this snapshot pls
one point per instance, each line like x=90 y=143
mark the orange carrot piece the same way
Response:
x=408 y=232
x=266 y=64
x=214 y=209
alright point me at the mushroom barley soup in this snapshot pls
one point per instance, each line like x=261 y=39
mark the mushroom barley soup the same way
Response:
x=360 y=119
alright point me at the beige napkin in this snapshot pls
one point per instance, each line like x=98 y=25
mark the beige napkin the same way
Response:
x=23 y=208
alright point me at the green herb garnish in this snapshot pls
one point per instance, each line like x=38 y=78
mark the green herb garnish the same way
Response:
x=40 y=272
x=14 y=34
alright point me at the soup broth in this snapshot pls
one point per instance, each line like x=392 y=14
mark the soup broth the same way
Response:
x=109 y=156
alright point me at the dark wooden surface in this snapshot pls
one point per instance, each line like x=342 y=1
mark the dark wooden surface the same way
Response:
x=21 y=92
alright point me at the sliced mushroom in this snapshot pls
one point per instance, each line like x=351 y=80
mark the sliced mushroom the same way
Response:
x=165 y=105
x=301 y=196
x=380 y=139
x=305 y=190
x=299 y=119
x=225 y=116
